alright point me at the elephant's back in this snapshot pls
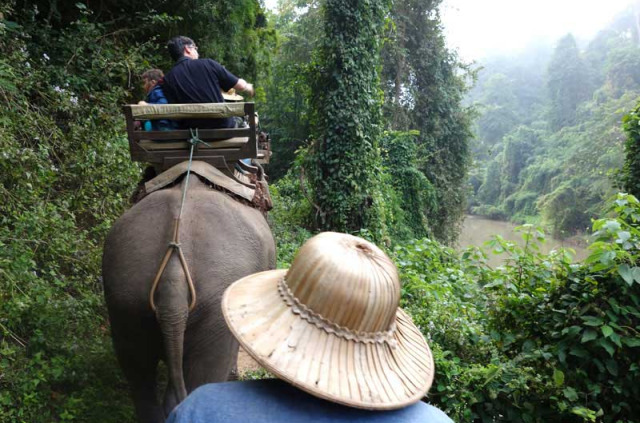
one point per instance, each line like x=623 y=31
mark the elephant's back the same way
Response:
x=224 y=240
x=221 y=238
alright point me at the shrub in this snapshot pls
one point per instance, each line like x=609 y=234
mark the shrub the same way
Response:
x=538 y=339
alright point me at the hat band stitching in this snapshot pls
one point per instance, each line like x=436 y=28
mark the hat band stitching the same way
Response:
x=328 y=326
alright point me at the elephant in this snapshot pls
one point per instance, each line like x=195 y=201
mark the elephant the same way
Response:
x=222 y=240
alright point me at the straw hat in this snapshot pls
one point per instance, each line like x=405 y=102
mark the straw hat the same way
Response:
x=331 y=325
x=231 y=95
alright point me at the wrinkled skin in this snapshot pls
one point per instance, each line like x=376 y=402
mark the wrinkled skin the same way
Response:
x=222 y=241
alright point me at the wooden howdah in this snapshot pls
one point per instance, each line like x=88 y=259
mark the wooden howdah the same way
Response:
x=164 y=149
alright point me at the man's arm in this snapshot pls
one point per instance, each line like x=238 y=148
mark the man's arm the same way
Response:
x=244 y=86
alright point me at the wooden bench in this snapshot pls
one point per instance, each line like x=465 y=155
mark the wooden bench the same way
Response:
x=164 y=149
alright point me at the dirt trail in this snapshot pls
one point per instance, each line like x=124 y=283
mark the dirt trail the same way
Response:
x=246 y=363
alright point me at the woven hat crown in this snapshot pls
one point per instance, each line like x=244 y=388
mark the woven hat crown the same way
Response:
x=348 y=281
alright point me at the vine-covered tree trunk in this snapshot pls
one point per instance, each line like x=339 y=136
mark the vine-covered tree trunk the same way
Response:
x=346 y=107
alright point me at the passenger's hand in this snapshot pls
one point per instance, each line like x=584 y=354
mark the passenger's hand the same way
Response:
x=249 y=90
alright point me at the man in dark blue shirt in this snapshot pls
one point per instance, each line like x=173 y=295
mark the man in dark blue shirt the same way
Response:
x=195 y=80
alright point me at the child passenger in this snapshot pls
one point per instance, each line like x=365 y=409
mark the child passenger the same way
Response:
x=155 y=95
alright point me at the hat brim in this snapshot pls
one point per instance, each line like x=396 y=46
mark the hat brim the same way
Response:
x=371 y=376
x=232 y=97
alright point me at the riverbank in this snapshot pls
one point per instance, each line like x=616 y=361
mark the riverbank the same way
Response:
x=477 y=230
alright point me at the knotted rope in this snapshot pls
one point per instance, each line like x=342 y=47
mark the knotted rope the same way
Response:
x=174 y=244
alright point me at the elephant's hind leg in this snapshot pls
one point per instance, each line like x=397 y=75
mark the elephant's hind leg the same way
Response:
x=209 y=355
x=138 y=356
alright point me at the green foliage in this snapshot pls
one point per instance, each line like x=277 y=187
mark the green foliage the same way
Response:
x=424 y=83
x=563 y=209
x=286 y=114
x=235 y=32
x=538 y=339
x=518 y=148
x=290 y=215
x=491 y=212
x=567 y=83
x=344 y=161
x=489 y=191
x=622 y=70
x=415 y=192
x=560 y=172
x=64 y=175
x=631 y=170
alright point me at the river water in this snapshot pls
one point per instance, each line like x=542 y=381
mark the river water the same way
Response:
x=476 y=230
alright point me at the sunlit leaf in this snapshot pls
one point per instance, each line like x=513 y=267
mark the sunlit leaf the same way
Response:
x=606 y=331
x=558 y=377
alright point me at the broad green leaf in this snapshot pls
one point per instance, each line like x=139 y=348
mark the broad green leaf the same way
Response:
x=632 y=342
x=571 y=330
x=592 y=320
x=615 y=338
x=607 y=257
x=558 y=377
x=612 y=226
x=625 y=272
x=623 y=236
x=579 y=352
x=570 y=393
x=589 y=335
x=606 y=331
x=607 y=346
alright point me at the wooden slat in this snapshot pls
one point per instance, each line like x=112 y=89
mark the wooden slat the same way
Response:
x=133 y=147
x=150 y=145
x=159 y=156
x=183 y=134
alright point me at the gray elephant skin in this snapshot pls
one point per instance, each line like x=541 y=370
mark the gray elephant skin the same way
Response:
x=222 y=240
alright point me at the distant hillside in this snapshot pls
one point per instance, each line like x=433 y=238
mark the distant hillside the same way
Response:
x=549 y=141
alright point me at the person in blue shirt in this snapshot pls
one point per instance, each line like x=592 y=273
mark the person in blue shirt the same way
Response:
x=155 y=95
x=272 y=400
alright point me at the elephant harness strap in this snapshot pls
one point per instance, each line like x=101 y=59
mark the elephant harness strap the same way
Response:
x=174 y=245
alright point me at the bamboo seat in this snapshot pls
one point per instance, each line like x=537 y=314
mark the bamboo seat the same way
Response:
x=164 y=149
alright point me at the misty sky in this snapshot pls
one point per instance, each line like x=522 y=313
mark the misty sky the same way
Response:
x=478 y=27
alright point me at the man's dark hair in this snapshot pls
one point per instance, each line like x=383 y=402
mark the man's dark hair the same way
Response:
x=176 y=46
x=153 y=75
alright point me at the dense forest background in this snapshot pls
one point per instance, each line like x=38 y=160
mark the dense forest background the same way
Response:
x=549 y=143
x=372 y=135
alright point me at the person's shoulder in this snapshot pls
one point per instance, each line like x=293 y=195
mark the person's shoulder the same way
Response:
x=270 y=401
x=209 y=63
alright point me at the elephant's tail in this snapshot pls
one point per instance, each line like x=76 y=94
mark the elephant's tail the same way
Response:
x=172 y=298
